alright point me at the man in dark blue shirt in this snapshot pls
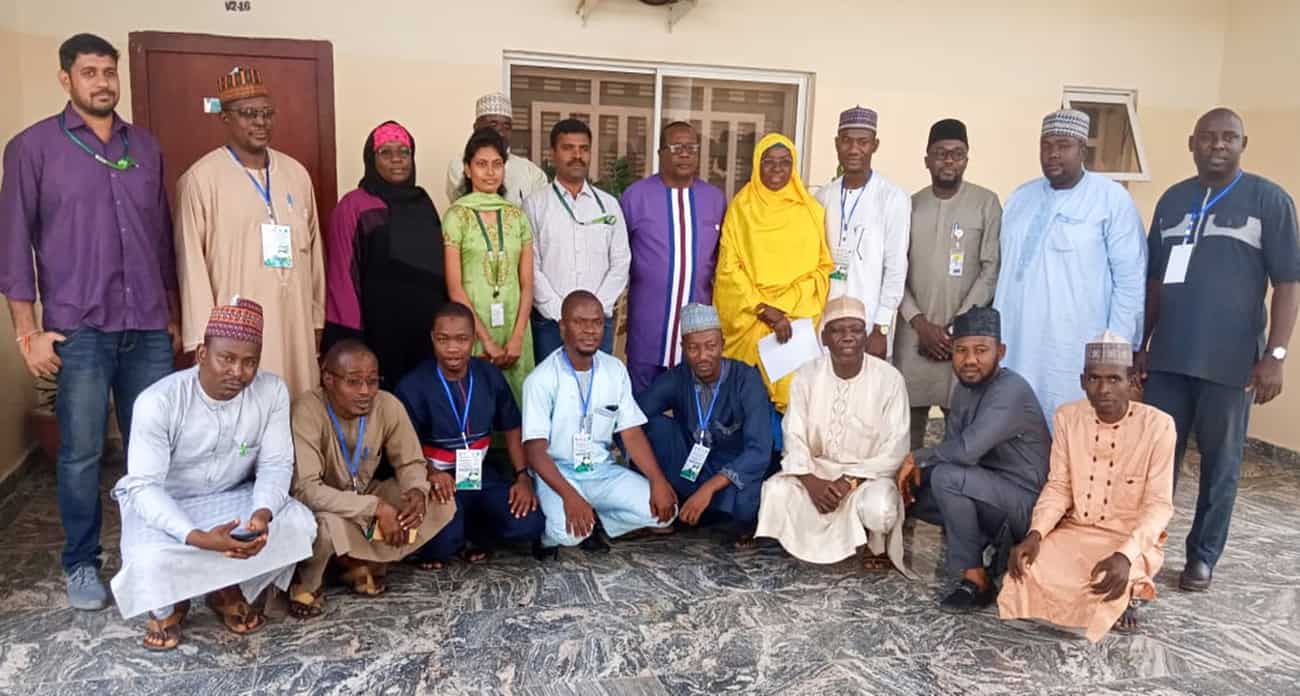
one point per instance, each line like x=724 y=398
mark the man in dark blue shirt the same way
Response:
x=716 y=446
x=1217 y=241
x=457 y=403
x=981 y=482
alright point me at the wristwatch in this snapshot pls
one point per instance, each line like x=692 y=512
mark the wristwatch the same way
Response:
x=883 y=329
x=1278 y=353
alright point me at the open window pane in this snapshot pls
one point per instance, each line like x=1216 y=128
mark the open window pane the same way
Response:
x=1111 y=145
x=731 y=116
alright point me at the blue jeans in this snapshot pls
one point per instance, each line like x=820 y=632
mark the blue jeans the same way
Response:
x=1219 y=415
x=546 y=336
x=95 y=362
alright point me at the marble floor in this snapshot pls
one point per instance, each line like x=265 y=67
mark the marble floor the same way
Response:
x=672 y=615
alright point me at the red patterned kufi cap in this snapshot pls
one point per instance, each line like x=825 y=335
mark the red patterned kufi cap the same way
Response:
x=241 y=83
x=240 y=320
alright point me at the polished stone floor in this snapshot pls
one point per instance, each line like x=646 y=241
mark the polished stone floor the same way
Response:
x=672 y=615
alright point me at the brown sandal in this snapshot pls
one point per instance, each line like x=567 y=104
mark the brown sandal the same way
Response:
x=364 y=582
x=238 y=616
x=306 y=605
x=873 y=563
x=165 y=634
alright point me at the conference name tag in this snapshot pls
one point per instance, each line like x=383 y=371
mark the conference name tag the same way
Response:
x=583 y=452
x=469 y=469
x=277 y=246
x=1179 y=258
x=956 y=263
x=498 y=314
x=695 y=462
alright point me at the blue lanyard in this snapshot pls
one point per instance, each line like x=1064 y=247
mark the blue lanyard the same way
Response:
x=844 y=219
x=353 y=460
x=1196 y=217
x=586 y=398
x=707 y=417
x=264 y=193
x=462 y=419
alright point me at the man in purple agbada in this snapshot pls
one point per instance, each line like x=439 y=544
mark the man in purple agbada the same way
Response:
x=673 y=224
x=83 y=190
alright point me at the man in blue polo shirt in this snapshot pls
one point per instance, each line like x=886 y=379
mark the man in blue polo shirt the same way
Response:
x=1217 y=241
x=456 y=403
x=717 y=445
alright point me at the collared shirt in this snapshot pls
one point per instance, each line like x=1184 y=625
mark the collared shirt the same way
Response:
x=997 y=425
x=553 y=406
x=1211 y=325
x=870 y=235
x=102 y=237
x=569 y=255
x=741 y=423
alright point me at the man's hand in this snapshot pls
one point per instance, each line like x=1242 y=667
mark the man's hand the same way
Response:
x=388 y=524
x=909 y=479
x=1141 y=361
x=877 y=343
x=695 y=506
x=218 y=539
x=1115 y=568
x=513 y=350
x=776 y=321
x=442 y=485
x=39 y=354
x=1024 y=554
x=579 y=518
x=663 y=500
x=826 y=495
x=411 y=516
x=318 y=333
x=1265 y=379
x=935 y=343
x=174 y=330
x=522 y=499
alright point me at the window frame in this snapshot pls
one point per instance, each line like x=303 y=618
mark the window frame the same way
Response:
x=802 y=82
x=1113 y=95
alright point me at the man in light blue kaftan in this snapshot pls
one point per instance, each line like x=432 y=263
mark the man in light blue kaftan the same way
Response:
x=205 y=501
x=1073 y=264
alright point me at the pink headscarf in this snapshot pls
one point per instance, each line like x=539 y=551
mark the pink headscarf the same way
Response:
x=391 y=132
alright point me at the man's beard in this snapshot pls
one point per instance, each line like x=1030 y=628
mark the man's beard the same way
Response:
x=983 y=379
x=90 y=108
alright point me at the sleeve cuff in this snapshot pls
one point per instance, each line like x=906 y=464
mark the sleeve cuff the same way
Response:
x=924 y=457
x=180 y=529
x=1130 y=550
x=262 y=501
x=733 y=477
x=885 y=317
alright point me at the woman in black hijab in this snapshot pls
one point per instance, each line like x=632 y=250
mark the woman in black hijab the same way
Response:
x=385 y=276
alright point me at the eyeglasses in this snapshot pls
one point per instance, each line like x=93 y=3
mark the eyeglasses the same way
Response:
x=948 y=155
x=678 y=149
x=776 y=164
x=250 y=114
x=356 y=382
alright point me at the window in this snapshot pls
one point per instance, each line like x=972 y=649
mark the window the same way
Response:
x=626 y=104
x=1114 y=138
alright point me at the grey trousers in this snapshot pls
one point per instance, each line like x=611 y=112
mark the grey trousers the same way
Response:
x=976 y=507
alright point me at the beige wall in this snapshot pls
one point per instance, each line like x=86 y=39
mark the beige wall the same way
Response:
x=1260 y=47
x=423 y=62
x=14 y=437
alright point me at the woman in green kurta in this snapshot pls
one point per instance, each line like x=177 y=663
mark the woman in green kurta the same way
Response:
x=489 y=260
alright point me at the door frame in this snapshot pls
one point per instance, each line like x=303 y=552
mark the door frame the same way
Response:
x=142 y=43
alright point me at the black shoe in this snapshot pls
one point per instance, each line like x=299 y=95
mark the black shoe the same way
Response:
x=967 y=598
x=541 y=553
x=1196 y=577
x=595 y=543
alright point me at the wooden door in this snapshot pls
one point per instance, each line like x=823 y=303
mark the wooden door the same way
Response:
x=172 y=74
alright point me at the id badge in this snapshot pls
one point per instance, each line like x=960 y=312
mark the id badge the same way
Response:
x=469 y=469
x=498 y=314
x=956 y=263
x=356 y=484
x=1176 y=269
x=277 y=247
x=695 y=462
x=583 y=452
x=842 y=257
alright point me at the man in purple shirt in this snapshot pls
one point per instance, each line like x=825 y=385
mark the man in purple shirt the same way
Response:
x=83 y=191
x=673 y=222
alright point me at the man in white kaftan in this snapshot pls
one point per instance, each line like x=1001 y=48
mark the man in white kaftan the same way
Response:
x=846 y=433
x=211 y=453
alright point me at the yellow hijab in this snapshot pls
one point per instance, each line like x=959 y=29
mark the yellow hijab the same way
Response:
x=773 y=251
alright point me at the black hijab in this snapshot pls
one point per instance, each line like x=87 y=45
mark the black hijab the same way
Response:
x=414 y=230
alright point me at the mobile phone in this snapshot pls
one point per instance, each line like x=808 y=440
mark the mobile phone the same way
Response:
x=242 y=534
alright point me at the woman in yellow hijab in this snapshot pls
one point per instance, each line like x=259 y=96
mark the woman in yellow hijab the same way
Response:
x=773 y=262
